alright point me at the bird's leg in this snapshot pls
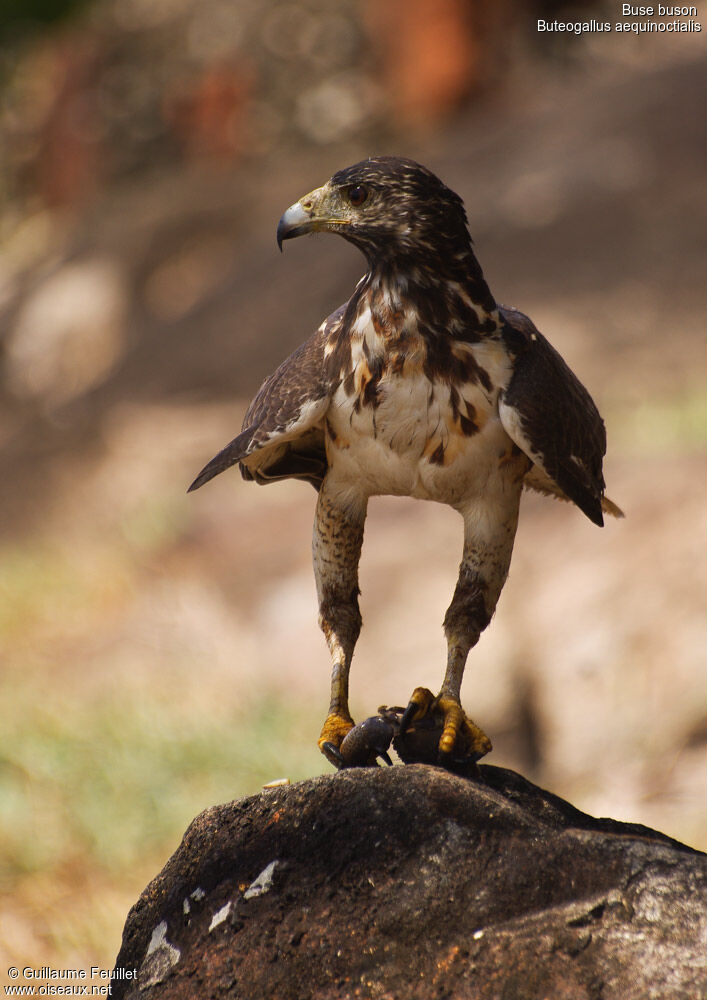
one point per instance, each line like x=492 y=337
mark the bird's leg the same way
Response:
x=336 y=548
x=488 y=544
x=466 y=618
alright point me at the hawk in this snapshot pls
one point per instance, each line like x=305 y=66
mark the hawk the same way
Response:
x=421 y=385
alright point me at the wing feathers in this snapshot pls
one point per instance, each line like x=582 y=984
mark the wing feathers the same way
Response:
x=280 y=435
x=549 y=414
x=228 y=456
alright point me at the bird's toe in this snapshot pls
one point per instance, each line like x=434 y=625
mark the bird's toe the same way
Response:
x=436 y=730
x=461 y=738
x=418 y=708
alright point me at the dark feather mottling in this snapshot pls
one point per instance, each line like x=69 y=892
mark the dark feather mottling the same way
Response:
x=418 y=220
x=415 y=214
x=420 y=385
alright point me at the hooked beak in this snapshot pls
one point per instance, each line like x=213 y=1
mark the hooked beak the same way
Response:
x=294 y=222
x=318 y=211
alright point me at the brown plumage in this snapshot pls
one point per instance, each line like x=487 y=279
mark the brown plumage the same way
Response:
x=421 y=385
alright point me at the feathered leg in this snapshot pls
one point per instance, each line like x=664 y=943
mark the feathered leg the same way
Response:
x=336 y=548
x=489 y=532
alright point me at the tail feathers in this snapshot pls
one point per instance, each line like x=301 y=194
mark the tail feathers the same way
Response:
x=228 y=456
x=609 y=507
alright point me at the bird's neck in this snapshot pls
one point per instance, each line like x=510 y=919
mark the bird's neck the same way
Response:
x=449 y=297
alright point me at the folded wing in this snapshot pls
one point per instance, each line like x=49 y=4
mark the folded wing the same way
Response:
x=549 y=414
x=283 y=435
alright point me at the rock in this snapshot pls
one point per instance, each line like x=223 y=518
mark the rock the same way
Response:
x=411 y=882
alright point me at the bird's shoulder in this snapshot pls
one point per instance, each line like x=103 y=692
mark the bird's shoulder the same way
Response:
x=299 y=384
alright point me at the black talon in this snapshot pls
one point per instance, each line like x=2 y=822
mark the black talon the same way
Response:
x=333 y=755
x=407 y=717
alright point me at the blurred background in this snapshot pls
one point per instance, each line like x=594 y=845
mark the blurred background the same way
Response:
x=160 y=652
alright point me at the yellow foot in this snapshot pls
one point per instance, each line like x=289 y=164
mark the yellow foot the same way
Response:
x=460 y=736
x=332 y=736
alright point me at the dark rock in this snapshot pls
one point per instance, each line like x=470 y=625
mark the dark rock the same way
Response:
x=410 y=882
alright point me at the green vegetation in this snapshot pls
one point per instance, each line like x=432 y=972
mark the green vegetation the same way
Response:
x=668 y=424
x=111 y=781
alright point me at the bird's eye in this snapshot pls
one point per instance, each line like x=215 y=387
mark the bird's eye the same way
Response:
x=357 y=195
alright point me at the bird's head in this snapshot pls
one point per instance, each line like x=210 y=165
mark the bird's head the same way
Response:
x=388 y=207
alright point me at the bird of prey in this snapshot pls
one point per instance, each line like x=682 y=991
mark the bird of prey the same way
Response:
x=421 y=385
